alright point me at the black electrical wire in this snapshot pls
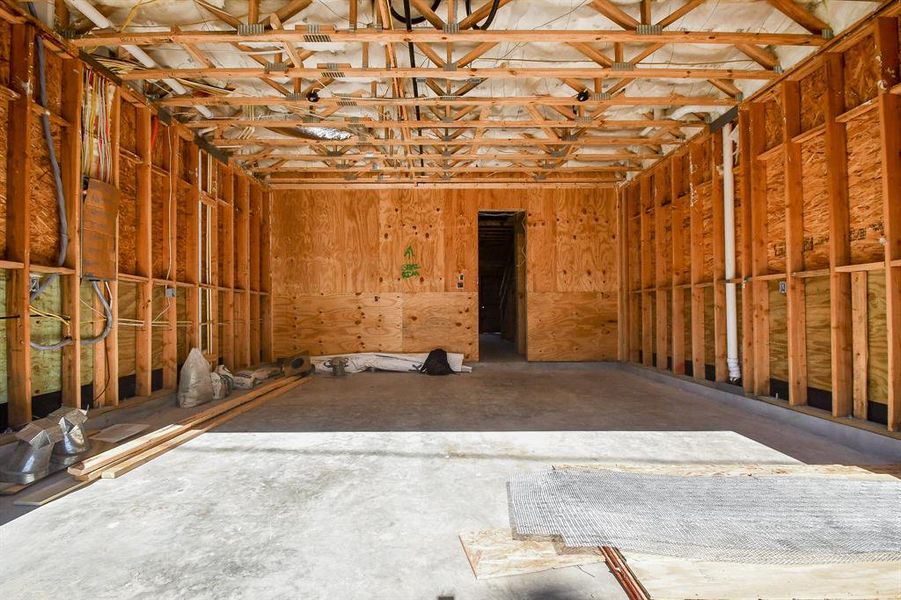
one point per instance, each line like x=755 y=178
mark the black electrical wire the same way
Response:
x=495 y=4
x=405 y=18
x=61 y=202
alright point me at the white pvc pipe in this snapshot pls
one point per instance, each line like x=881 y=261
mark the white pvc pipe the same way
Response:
x=729 y=246
x=97 y=18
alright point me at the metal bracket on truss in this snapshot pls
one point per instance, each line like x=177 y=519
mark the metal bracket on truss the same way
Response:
x=451 y=27
x=334 y=153
x=648 y=29
x=332 y=71
x=827 y=34
x=450 y=66
x=313 y=36
x=276 y=67
x=295 y=97
x=250 y=28
x=446 y=153
x=601 y=96
x=622 y=66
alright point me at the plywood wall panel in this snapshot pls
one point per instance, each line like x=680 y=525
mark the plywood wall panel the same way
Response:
x=446 y=320
x=877 y=340
x=865 y=189
x=819 y=354
x=329 y=246
x=775 y=224
x=571 y=326
x=815 y=197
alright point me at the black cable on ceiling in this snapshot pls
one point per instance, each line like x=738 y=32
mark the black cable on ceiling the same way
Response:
x=405 y=18
x=495 y=4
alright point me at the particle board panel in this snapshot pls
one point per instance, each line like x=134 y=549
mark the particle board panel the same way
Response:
x=704 y=197
x=813 y=87
x=861 y=72
x=159 y=199
x=775 y=224
x=127 y=133
x=815 y=197
x=46 y=365
x=877 y=340
x=44 y=224
x=709 y=333
x=574 y=326
x=778 y=333
x=773 y=121
x=819 y=349
x=865 y=189
x=446 y=320
x=159 y=303
x=128 y=216
x=338 y=323
x=128 y=312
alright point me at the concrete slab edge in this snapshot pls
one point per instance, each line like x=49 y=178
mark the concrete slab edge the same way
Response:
x=886 y=447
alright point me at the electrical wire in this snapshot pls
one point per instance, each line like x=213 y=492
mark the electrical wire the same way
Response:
x=487 y=23
x=44 y=282
x=405 y=18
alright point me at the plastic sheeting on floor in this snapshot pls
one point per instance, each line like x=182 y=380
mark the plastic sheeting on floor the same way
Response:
x=383 y=361
x=787 y=520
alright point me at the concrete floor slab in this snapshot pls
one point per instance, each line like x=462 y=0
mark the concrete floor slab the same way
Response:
x=358 y=487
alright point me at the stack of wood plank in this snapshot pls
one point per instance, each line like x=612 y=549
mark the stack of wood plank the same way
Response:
x=121 y=459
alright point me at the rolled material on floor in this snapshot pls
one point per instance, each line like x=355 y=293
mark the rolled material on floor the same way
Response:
x=779 y=520
x=383 y=361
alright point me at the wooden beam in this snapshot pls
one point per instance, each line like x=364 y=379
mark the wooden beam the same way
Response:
x=19 y=141
x=794 y=245
x=170 y=259
x=800 y=15
x=397 y=36
x=718 y=245
x=677 y=302
x=661 y=264
x=746 y=264
x=647 y=273
x=696 y=227
x=859 y=327
x=840 y=307
x=759 y=267
x=480 y=14
x=615 y=14
x=70 y=285
x=461 y=73
x=680 y=12
x=144 y=254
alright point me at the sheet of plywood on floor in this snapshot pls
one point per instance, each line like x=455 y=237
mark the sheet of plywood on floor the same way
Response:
x=44 y=225
x=571 y=326
x=775 y=209
x=541 y=244
x=586 y=241
x=813 y=87
x=815 y=198
x=448 y=320
x=128 y=313
x=128 y=215
x=877 y=340
x=819 y=328
x=338 y=323
x=865 y=189
x=778 y=333
x=861 y=72
x=422 y=233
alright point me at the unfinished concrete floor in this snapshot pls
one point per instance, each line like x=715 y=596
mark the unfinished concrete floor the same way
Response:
x=359 y=487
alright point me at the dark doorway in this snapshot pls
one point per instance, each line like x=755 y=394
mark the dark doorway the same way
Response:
x=501 y=286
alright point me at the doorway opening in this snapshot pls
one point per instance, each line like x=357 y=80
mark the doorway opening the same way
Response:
x=502 y=286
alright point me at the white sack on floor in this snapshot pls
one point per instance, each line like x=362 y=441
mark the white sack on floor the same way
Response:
x=382 y=361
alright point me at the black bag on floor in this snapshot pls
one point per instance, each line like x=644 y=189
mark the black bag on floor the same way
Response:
x=436 y=363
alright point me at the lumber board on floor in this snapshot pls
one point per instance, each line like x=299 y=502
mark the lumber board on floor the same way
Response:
x=48 y=493
x=120 y=468
x=168 y=432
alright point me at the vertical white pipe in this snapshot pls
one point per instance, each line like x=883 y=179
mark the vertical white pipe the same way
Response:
x=97 y=18
x=729 y=246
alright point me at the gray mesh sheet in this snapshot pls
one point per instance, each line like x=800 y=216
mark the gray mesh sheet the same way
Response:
x=735 y=519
